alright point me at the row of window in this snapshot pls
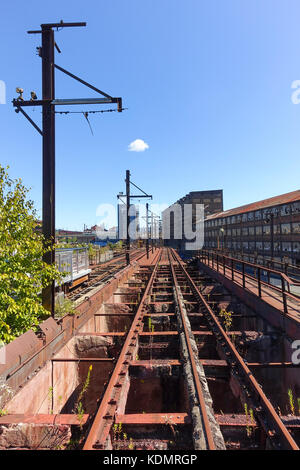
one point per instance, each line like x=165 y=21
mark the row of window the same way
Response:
x=293 y=227
x=263 y=214
x=256 y=246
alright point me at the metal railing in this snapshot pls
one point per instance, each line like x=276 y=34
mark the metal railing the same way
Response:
x=72 y=261
x=261 y=275
x=289 y=269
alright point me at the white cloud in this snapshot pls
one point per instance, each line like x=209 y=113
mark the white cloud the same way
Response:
x=138 y=145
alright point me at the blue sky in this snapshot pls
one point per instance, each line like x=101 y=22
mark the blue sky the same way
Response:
x=207 y=85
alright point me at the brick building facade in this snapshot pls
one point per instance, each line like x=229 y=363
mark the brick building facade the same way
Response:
x=266 y=229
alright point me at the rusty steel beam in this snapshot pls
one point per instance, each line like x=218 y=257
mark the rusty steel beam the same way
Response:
x=241 y=420
x=154 y=418
x=155 y=362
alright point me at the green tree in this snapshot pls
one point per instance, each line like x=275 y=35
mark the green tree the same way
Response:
x=23 y=273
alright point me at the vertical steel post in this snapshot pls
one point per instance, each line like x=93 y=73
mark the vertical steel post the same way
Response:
x=48 y=293
x=259 y=281
x=127 y=216
x=285 y=309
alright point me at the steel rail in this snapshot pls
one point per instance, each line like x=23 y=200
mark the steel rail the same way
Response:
x=264 y=410
x=197 y=383
x=103 y=420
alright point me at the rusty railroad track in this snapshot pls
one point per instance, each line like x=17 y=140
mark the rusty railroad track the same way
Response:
x=172 y=312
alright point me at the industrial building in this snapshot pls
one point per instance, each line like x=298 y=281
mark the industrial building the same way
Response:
x=213 y=203
x=267 y=229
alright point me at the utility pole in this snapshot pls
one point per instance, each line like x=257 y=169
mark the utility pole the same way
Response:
x=128 y=198
x=48 y=110
x=48 y=103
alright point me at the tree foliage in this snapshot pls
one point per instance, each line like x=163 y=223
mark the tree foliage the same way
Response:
x=23 y=273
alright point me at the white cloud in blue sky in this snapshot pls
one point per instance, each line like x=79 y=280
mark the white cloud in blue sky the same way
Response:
x=138 y=145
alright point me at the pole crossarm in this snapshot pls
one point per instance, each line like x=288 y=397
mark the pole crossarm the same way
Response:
x=68 y=101
x=61 y=24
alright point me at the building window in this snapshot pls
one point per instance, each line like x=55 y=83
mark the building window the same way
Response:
x=258 y=230
x=245 y=245
x=266 y=229
x=257 y=215
x=229 y=232
x=296 y=247
x=265 y=214
x=277 y=246
x=233 y=219
x=244 y=217
x=296 y=227
x=250 y=215
x=238 y=218
x=267 y=246
x=277 y=228
x=259 y=245
x=285 y=228
x=295 y=207
x=217 y=199
x=238 y=232
x=285 y=210
x=286 y=246
x=245 y=231
x=252 y=246
x=251 y=230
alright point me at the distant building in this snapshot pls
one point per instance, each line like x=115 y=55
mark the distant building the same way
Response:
x=211 y=200
x=265 y=229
